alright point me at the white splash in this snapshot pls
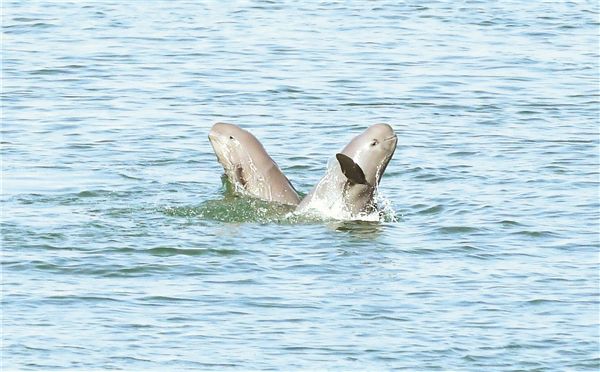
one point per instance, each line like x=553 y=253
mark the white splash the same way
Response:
x=331 y=204
x=386 y=211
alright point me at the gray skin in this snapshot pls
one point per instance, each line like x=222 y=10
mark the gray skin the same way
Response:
x=348 y=188
x=249 y=168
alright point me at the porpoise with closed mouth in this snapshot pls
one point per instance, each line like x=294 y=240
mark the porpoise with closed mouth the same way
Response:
x=248 y=167
x=348 y=188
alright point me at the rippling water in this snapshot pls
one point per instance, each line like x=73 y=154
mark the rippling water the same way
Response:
x=122 y=249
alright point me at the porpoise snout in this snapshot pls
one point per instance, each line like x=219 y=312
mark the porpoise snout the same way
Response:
x=215 y=130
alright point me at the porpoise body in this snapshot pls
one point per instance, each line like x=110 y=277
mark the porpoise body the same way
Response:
x=348 y=188
x=248 y=166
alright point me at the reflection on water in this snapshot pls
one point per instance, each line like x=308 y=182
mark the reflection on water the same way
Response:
x=357 y=229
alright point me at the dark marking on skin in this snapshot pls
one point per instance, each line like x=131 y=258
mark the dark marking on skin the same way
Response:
x=239 y=176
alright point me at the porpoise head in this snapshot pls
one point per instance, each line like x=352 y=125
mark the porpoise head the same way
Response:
x=233 y=144
x=372 y=151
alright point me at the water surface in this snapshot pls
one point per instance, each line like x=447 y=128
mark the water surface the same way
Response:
x=121 y=248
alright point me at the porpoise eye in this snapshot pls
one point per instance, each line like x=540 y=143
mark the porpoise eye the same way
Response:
x=230 y=137
x=374 y=143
